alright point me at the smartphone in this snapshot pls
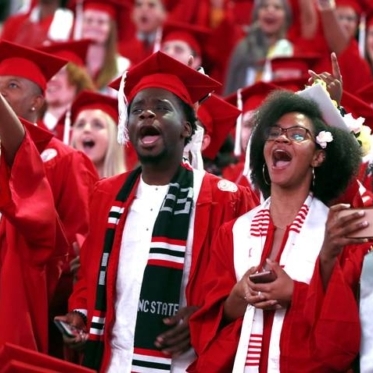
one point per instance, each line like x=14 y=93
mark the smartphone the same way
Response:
x=366 y=232
x=66 y=329
x=263 y=277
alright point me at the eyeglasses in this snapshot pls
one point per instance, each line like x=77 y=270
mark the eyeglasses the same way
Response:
x=295 y=133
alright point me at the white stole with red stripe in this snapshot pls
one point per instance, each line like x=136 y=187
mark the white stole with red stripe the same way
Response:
x=298 y=259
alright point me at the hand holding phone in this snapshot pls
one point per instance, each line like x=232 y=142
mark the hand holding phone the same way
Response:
x=66 y=329
x=366 y=232
x=263 y=277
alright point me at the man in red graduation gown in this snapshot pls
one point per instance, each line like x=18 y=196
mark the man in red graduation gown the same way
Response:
x=161 y=92
x=71 y=175
x=28 y=231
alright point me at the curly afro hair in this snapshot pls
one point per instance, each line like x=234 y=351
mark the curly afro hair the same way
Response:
x=343 y=155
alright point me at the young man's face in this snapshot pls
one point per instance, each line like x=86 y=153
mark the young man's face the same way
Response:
x=181 y=51
x=21 y=94
x=157 y=125
x=148 y=15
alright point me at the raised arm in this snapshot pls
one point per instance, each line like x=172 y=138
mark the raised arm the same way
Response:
x=11 y=131
x=336 y=37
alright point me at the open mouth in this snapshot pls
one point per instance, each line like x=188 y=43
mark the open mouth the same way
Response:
x=281 y=158
x=88 y=144
x=149 y=135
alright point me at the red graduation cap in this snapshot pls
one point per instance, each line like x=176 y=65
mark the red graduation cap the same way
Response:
x=21 y=360
x=28 y=63
x=252 y=96
x=218 y=117
x=74 y=51
x=88 y=100
x=354 y=4
x=111 y=7
x=294 y=67
x=162 y=71
x=194 y=36
x=358 y=108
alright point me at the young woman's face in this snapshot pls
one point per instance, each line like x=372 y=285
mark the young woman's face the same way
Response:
x=348 y=19
x=96 y=26
x=90 y=134
x=289 y=161
x=271 y=17
x=59 y=90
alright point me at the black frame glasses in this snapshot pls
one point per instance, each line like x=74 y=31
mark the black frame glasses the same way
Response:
x=294 y=133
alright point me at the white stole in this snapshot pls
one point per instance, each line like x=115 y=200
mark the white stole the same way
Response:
x=298 y=259
x=366 y=309
x=61 y=25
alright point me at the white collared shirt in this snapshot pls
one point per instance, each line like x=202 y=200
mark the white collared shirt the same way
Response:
x=133 y=257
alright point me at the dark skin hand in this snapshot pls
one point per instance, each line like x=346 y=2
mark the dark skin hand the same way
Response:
x=337 y=232
x=270 y=296
x=75 y=320
x=334 y=82
x=176 y=341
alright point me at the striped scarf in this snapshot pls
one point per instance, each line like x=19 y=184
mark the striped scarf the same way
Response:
x=165 y=264
x=298 y=259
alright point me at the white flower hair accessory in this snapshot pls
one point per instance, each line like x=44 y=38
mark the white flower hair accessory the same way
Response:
x=323 y=138
x=353 y=124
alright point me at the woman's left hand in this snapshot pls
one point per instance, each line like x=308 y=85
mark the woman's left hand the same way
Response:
x=278 y=293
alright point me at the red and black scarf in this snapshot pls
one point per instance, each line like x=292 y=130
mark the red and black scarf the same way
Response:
x=160 y=291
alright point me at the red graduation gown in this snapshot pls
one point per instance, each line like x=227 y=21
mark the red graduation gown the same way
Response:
x=320 y=333
x=214 y=206
x=71 y=176
x=19 y=29
x=27 y=241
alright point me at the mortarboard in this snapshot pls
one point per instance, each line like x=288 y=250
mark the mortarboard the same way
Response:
x=88 y=100
x=354 y=4
x=247 y=100
x=330 y=113
x=251 y=96
x=194 y=36
x=296 y=66
x=161 y=71
x=28 y=63
x=74 y=51
x=111 y=7
x=14 y=359
x=218 y=117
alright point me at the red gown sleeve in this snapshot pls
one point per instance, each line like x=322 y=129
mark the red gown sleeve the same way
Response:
x=209 y=336
x=26 y=200
x=331 y=316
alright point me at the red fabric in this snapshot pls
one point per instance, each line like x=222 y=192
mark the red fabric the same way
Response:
x=27 y=238
x=71 y=176
x=27 y=361
x=135 y=50
x=213 y=207
x=57 y=131
x=316 y=335
x=19 y=29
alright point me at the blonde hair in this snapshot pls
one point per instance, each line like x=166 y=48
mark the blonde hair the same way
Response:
x=114 y=160
x=109 y=68
x=79 y=77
